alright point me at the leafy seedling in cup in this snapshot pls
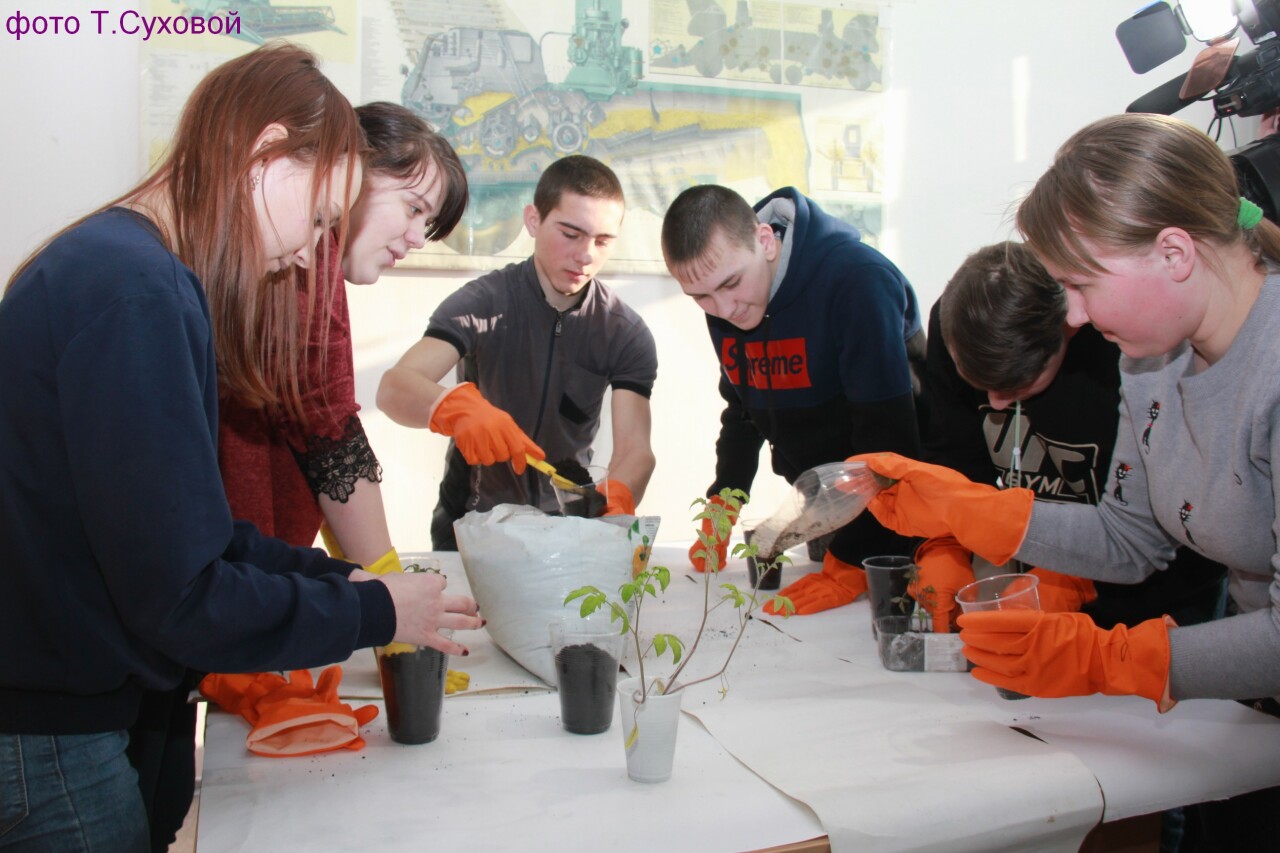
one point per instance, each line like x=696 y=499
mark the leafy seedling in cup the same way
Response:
x=628 y=607
x=922 y=607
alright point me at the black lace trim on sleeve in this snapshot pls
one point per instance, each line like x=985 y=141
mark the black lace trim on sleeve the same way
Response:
x=333 y=466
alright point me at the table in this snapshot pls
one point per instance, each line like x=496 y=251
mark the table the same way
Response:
x=812 y=738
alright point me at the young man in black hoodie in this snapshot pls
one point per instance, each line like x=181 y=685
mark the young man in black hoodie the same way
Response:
x=819 y=340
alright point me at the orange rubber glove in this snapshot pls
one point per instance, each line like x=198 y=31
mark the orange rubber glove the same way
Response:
x=1063 y=593
x=620 y=501
x=1065 y=654
x=697 y=553
x=933 y=501
x=943 y=565
x=294 y=717
x=836 y=585
x=484 y=434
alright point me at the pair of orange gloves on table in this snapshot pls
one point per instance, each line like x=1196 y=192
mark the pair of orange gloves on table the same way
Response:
x=486 y=435
x=297 y=716
x=1039 y=653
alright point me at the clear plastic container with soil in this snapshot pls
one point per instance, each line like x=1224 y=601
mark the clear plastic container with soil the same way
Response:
x=589 y=498
x=413 y=688
x=905 y=647
x=587 y=657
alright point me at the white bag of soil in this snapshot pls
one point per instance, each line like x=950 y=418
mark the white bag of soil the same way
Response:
x=521 y=563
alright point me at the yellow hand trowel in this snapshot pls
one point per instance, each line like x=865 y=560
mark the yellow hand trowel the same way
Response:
x=558 y=480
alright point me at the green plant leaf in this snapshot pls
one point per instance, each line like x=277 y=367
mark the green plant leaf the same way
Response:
x=618 y=612
x=663 y=574
x=783 y=605
x=662 y=642
x=628 y=590
x=734 y=594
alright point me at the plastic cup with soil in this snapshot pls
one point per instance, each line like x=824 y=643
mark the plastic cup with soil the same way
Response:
x=413 y=689
x=767 y=580
x=590 y=496
x=1001 y=592
x=587 y=655
x=887 y=581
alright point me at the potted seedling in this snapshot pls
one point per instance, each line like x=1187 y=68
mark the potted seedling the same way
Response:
x=906 y=641
x=656 y=701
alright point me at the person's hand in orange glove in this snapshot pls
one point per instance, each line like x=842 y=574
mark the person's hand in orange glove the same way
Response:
x=484 y=434
x=836 y=585
x=943 y=565
x=1065 y=654
x=719 y=539
x=1061 y=593
x=294 y=717
x=618 y=498
x=933 y=501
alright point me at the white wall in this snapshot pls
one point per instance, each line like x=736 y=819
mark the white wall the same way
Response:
x=981 y=94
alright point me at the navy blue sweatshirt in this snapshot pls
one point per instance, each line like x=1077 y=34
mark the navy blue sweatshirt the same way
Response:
x=827 y=373
x=121 y=564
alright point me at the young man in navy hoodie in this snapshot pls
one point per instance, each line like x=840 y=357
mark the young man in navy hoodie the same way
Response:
x=820 y=346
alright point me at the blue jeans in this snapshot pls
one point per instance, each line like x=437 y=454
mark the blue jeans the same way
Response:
x=70 y=792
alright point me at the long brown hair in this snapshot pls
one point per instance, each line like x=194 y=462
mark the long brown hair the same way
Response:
x=1122 y=180
x=205 y=178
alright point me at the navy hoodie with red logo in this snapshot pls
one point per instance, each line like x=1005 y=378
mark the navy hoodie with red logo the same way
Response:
x=832 y=369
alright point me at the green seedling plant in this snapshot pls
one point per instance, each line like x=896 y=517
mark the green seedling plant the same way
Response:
x=628 y=608
x=922 y=607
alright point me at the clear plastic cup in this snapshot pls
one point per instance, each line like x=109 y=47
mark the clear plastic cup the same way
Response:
x=1001 y=592
x=587 y=654
x=587 y=501
x=887 y=580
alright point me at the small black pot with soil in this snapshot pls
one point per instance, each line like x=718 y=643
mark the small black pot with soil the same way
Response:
x=587 y=676
x=413 y=688
x=771 y=579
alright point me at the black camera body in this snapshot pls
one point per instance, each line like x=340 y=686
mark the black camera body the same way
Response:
x=1250 y=86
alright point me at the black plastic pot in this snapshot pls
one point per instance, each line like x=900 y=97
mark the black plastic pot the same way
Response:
x=772 y=579
x=413 y=688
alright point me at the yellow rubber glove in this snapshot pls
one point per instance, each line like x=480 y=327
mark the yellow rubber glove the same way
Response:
x=836 y=585
x=620 y=501
x=933 y=501
x=1061 y=593
x=943 y=565
x=456 y=681
x=697 y=553
x=1065 y=654
x=388 y=562
x=484 y=434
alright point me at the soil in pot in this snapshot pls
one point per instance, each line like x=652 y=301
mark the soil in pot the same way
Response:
x=413 y=688
x=771 y=579
x=587 y=676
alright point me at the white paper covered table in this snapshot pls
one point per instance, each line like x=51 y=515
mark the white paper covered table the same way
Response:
x=813 y=737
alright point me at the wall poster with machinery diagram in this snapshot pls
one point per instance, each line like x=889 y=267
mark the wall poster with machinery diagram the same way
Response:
x=753 y=94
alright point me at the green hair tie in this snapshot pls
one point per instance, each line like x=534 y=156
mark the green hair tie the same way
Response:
x=1250 y=214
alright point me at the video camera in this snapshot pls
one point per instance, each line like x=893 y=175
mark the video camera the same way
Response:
x=1244 y=85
